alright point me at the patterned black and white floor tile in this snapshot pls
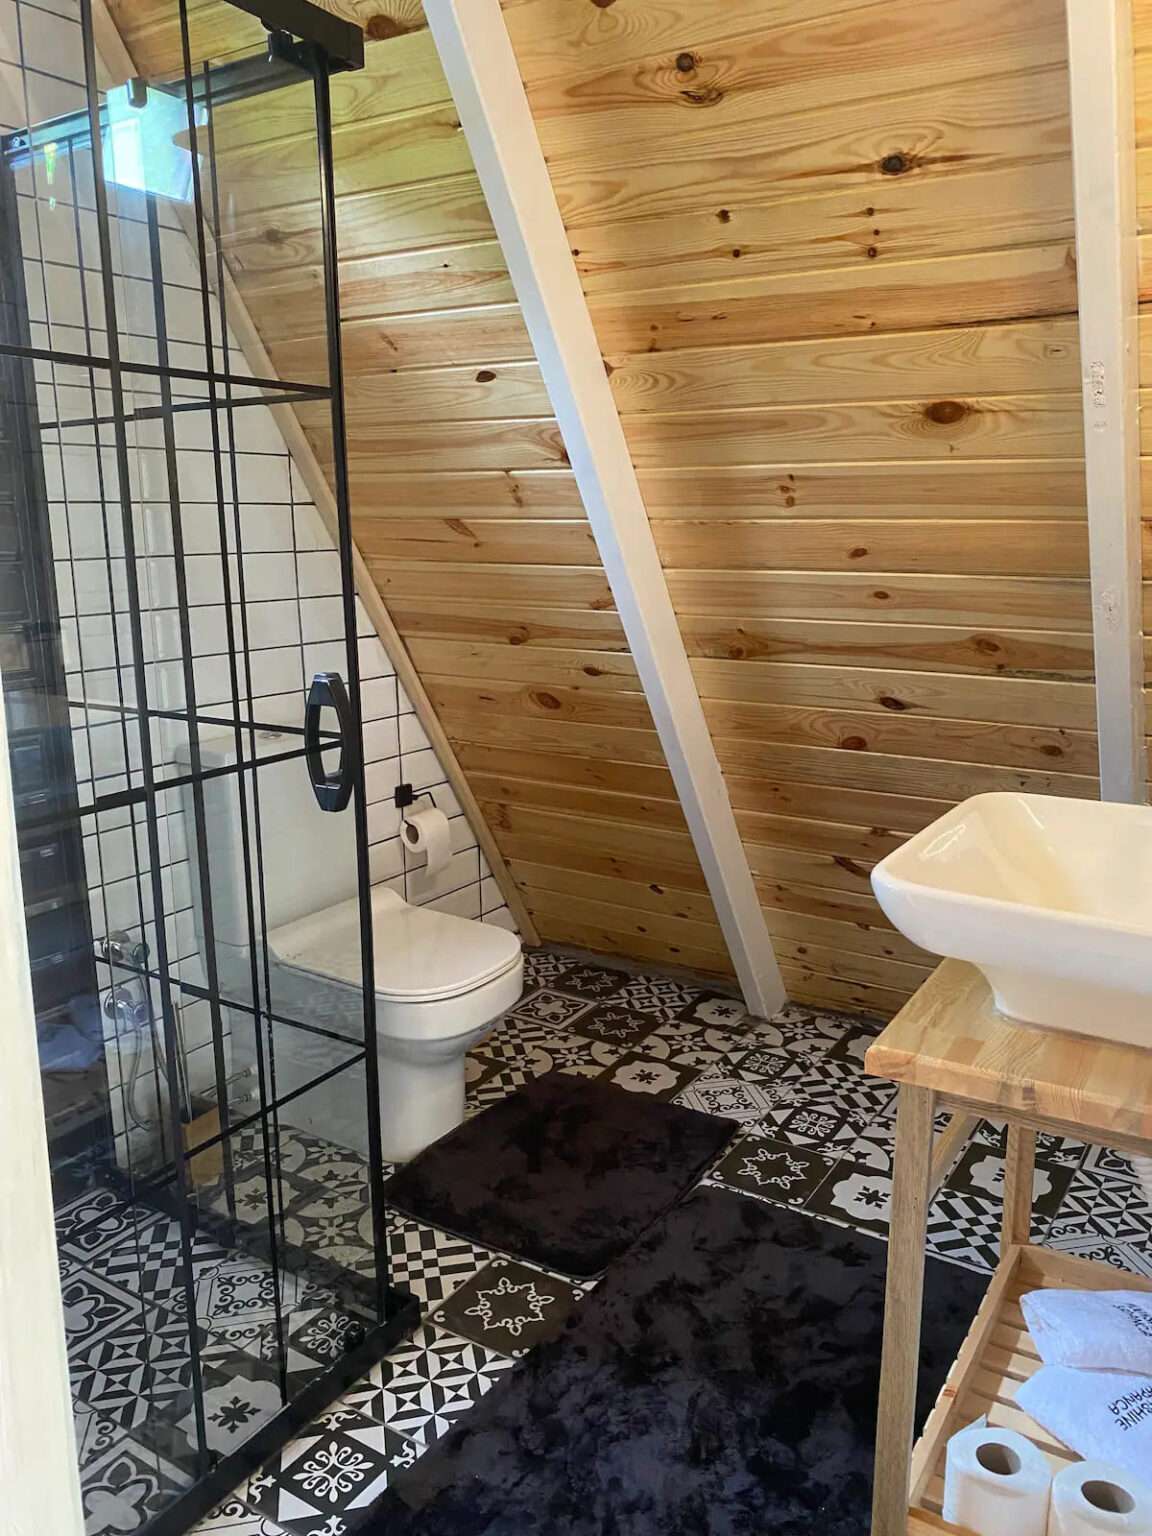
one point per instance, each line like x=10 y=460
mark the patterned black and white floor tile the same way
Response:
x=140 y=1370
x=980 y=1172
x=498 y=1083
x=772 y=1170
x=1133 y=1258
x=721 y=1092
x=825 y=1128
x=508 y=1307
x=837 y=1083
x=430 y=1263
x=98 y=1220
x=616 y=1025
x=234 y=1518
x=332 y=1218
x=96 y=1308
x=125 y=1485
x=427 y=1382
x=327 y=1479
x=1109 y=1206
x=550 y=1007
x=814 y=1133
x=649 y=1074
x=855 y=1197
x=94 y=1433
x=965 y=1229
x=688 y=1044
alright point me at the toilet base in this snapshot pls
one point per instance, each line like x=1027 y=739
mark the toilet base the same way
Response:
x=420 y=1101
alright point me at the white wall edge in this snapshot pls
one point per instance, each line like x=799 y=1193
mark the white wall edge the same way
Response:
x=484 y=78
x=39 y=1475
x=1104 y=158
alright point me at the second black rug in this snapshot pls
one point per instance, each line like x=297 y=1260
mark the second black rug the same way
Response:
x=566 y=1172
x=721 y=1381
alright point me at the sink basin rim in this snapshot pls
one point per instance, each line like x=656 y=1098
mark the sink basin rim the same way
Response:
x=887 y=875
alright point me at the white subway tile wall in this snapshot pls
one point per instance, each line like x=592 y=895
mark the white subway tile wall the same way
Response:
x=284 y=586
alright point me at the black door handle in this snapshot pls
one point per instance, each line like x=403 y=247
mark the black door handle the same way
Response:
x=332 y=790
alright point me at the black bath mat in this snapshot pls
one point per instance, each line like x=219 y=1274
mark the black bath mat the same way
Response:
x=721 y=1381
x=566 y=1173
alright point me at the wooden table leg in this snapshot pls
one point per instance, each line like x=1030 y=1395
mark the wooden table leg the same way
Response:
x=949 y=1144
x=903 y=1305
x=1019 y=1172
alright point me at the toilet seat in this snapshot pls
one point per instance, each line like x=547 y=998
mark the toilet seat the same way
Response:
x=419 y=955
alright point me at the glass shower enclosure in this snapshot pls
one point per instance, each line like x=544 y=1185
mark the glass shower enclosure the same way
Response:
x=184 y=734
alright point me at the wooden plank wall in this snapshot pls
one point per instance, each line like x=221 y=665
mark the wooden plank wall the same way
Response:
x=463 y=502
x=828 y=249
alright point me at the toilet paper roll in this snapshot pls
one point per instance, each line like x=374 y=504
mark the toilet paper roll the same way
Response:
x=428 y=832
x=1092 y=1498
x=996 y=1483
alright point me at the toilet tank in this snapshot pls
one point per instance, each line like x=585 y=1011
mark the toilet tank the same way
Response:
x=308 y=856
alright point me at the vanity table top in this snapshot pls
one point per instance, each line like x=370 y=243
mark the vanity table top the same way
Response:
x=949 y=1037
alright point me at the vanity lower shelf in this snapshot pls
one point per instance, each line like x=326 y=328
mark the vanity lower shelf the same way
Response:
x=997 y=1355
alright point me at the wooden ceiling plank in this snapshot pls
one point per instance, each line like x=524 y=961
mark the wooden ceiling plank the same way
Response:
x=639 y=894
x=982 y=124
x=809 y=986
x=1029 y=357
x=981 y=740
x=794 y=76
x=627 y=924
x=934 y=778
x=902 y=219
x=931 y=647
x=375 y=287
x=486 y=84
x=481 y=334
x=971 y=289
x=1013 y=426
x=1041 y=489
x=388 y=220
x=929 y=545
x=1019 y=700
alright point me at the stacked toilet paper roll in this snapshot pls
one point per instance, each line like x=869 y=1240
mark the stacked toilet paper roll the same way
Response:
x=1094 y=1498
x=996 y=1483
x=428 y=831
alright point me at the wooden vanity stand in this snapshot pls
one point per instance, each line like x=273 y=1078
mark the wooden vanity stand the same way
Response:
x=949 y=1049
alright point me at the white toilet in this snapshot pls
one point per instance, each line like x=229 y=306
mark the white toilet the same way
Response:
x=441 y=981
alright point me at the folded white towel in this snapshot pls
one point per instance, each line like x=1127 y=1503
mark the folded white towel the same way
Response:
x=1101 y=1415
x=1097 y=1330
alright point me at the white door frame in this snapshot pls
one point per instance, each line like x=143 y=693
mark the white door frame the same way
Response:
x=1101 y=69
x=39 y=1475
x=484 y=78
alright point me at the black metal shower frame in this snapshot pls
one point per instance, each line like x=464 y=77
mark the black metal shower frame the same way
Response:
x=304 y=42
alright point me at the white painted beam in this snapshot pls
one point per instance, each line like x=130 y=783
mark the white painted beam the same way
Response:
x=485 y=81
x=39 y=1477
x=1104 y=158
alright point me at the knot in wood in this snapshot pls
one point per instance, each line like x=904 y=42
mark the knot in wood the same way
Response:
x=946 y=413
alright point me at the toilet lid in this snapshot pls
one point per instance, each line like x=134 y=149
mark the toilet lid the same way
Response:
x=420 y=955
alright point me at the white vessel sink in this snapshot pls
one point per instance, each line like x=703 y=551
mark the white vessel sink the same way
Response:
x=1051 y=898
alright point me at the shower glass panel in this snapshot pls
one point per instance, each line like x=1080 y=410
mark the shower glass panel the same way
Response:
x=185 y=740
